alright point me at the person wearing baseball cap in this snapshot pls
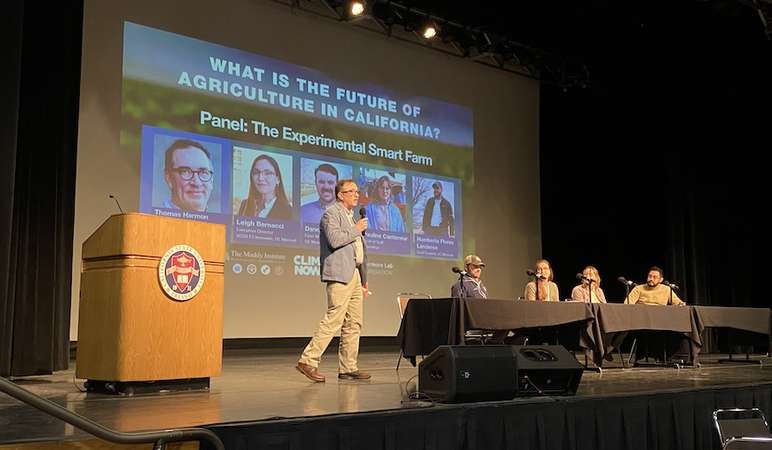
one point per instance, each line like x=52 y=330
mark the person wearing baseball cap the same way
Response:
x=438 y=214
x=470 y=285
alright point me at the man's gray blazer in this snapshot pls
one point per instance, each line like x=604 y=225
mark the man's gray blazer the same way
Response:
x=336 y=246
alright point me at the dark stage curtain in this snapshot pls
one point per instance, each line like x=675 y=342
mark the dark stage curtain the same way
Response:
x=713 y=203
x=674 y=420
x=656 y=162
x=38 y=140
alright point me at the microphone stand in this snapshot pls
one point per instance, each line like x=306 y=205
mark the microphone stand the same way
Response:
x=627 y=293
x=536 y=282
x=461 y=287
x=670 y=300
x=589 y=289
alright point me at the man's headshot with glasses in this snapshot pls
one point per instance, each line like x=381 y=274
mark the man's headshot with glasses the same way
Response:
x=189 y=174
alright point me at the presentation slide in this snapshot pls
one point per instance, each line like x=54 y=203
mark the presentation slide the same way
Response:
x=258 y=144
x=249 y=116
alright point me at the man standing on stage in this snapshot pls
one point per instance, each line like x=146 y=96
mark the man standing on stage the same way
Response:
x=654 y=292
x=343 y=262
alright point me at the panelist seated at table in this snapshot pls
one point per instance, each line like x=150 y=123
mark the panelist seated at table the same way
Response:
x=589 y=290
x=470 y=285
x=654 y=292
x=543 y=288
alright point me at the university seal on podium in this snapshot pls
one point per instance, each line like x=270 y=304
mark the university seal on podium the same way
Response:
x=181 y=272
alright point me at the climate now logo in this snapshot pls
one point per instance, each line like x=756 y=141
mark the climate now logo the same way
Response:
x=306 y=265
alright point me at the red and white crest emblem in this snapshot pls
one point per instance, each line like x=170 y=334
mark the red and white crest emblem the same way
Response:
x=181 y=272
x=183 y=269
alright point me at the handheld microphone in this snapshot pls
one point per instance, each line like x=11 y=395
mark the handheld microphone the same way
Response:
x=362 y=215
x=670 y=285
x=458 y=271
x=581 y=277
x=116 y=202
x=625 y=281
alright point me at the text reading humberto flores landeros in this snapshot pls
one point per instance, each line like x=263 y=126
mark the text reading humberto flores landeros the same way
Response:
x=301 y=139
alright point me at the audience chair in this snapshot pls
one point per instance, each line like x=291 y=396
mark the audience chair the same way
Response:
x=742 y=429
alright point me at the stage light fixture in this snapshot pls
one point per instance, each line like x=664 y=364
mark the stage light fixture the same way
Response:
x=356 y=8
x=424 y=28
x=429 y=31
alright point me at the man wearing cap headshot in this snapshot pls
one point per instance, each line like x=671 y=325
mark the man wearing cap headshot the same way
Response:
x=470 y=285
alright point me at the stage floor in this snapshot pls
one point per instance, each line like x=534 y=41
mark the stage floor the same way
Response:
x=263 y=385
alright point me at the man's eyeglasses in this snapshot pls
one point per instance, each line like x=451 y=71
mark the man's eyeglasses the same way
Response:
x=264 y=173
x=186 y=173
x=350 y=191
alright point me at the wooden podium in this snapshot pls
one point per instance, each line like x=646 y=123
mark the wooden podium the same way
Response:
x=130 y=331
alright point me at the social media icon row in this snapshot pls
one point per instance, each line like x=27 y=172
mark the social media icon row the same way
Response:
x=252 y=269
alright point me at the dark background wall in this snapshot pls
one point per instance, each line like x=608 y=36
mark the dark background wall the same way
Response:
x=658 y=160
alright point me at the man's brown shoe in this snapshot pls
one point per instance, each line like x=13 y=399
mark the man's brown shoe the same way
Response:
x=311 y=372
x=358 y=375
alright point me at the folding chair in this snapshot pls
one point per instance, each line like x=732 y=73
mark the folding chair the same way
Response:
x=742 y=429
x=402 y=300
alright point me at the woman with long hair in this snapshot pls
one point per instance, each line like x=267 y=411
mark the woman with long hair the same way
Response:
x=267 y=198
x=381 y=212
x=589 y=290
x=542 y=288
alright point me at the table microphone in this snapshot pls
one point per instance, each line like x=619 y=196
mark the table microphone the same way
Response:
x=458 y=271
x=581 y=277
x=670 y=285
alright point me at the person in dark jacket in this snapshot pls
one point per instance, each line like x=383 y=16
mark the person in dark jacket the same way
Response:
x=438 y=214
x=267 y=198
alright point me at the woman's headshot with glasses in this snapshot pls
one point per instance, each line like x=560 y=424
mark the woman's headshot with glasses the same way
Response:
x=267 y=196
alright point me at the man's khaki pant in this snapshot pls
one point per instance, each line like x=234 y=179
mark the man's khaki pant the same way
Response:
x=344 y=313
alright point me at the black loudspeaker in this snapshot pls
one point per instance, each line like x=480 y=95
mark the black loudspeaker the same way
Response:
x=464 y=373
x=546 y=370
x=467 y=373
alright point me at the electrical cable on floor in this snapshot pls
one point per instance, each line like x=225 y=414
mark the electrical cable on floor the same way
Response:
x=416 y=395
